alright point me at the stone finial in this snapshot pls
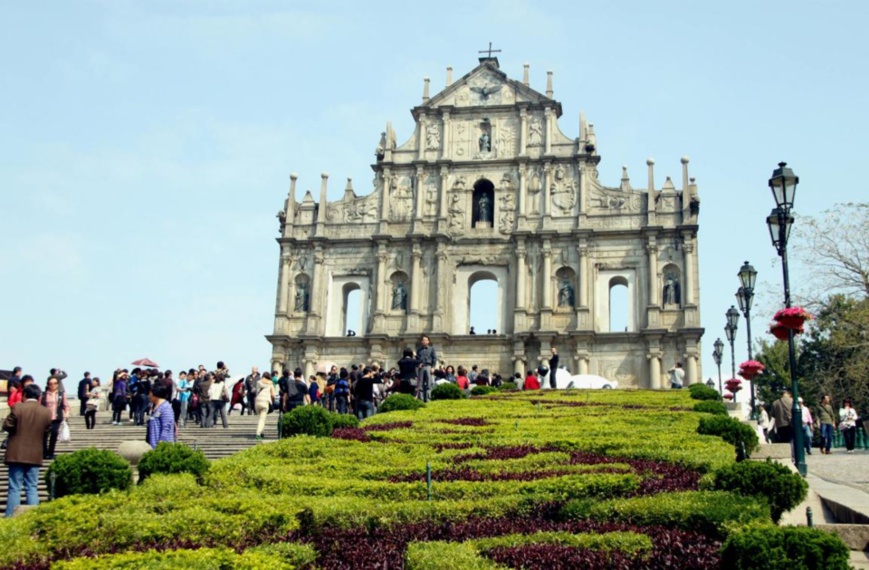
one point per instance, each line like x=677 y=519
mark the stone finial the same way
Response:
x=449 y=76
x=651 y=164
x=626 y=180
x=685 y=161
x=549 y=91
x=349 y=186
x=425 y=97
x=525 y=73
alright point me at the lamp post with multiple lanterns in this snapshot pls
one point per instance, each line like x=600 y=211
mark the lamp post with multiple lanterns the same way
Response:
x=730 y=331
x=784 y=187
x=717 y=353
x=745 y=296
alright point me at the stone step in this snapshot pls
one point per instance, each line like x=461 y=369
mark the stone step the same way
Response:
x=215 y=443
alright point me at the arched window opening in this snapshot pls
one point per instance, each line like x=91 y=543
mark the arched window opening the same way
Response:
x=483 y=204
x=352 y=311
x=618 y=304
x=483 y=305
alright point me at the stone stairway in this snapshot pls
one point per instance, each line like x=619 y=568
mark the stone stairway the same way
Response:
x=214 y=442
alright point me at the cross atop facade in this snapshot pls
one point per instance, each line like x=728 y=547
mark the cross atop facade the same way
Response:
x=489 y=51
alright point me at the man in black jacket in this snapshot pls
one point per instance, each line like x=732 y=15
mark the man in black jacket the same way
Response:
x=84 y=387
x=553 y=367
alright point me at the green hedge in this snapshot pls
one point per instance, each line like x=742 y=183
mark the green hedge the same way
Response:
x=779 y=486
x=711 y=407
x=307 y=420
x=703 y=392
x=398 y=402
x=447 y=392
x=89 y=471
x=170 y=458
x=709 y=512
x=784 y=548
x=482 y=390
x=730 y=430
x=343 y=421
x=282 y=556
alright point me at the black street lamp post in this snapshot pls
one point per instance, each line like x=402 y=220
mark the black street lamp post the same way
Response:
x=730 y=331
x=784 y=187
x=717 y=353
x=745 y=296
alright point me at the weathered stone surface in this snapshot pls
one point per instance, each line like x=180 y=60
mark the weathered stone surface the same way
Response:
x=488 y=187
x=133 y=451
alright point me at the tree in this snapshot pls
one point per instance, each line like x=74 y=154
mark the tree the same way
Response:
x=835 y=248
x=776 y=374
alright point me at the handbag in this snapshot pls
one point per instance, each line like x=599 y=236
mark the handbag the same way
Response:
x=63 y=437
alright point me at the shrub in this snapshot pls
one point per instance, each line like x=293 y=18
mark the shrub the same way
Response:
x=782 y=548
x=448 y=391
x=482 y=390
x=282 y=556
x=709 y=512
x=341 y=421
x=170 y=458
x=398 y=402
x=89 y=471
x=508 y=386
x=307 y=420
x=730 y=430
x=778 y=485
x=703 y=392
x=711 y=407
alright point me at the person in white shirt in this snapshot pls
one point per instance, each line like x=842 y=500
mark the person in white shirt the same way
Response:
x=677 y=376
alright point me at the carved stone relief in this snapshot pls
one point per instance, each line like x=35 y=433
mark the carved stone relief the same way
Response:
x=432 y=137
x=535 y=132
x=457 y=214
x=508 y=211
x=431 y=194
x=400 y=198
x=563 y=190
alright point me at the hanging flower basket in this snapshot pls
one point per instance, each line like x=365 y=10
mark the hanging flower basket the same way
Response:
x=734 y=385
x=727 y=396
x=780 y=331
x=751 y=368
x=793 y=318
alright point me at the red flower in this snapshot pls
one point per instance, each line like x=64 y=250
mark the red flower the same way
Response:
x=750 y=368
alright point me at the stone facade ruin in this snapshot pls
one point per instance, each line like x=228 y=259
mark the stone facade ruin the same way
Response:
x=489 y=187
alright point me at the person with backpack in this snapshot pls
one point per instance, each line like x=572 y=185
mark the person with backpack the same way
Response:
x=55 y=400
x=140 y=398
x=250 y=386
x=342 y=392
x=202 y=392
x=297 y=392
x=84 y=386
x=265 y=395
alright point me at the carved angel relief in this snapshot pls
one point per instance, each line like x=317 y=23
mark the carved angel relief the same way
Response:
x=400 y=198
x=485 y=91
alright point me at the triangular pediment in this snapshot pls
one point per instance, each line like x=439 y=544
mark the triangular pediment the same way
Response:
x=485 y=86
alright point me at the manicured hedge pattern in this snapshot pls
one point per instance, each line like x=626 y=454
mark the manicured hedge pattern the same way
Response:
x=518 y=464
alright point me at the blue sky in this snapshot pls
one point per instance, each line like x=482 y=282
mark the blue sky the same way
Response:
x=146 y=146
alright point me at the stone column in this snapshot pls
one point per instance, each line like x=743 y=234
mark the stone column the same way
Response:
x=443 y=200
x=688 y=281
x=415 y=279
x=655 y=370
x=284 y=287
x=547 y=120
x=547 y=184
x=384 y=196
x=317 y=291
x=521 y=297
x=382 y=258
x=523 y=131
x=442 y=286
x=691 y=369
x=420 y=147
x=420 y=203
x=445 y=136
x=547 y=275
x=652 y=250
x=582 y=249
x=523 y=193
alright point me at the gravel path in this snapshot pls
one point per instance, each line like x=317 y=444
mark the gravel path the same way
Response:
x=840 y=466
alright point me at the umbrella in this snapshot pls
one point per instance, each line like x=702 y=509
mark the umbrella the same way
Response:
x=145 y=362
x=324 y=366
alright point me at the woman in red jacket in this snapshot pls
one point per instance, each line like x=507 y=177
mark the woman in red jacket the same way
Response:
x=531 y=381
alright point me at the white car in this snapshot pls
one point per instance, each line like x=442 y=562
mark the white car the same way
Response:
x=565 y=381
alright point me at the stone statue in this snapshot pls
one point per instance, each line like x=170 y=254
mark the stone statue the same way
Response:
x=485 y=142
x=282 y=219
x=432 y=138
x=301 y=305
x=672 y=292
x=399 y=296
x=535 y=133
x=565 y=294
x=485 y=209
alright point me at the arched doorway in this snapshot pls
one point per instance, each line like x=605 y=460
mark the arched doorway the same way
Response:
x=619 y=303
